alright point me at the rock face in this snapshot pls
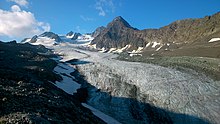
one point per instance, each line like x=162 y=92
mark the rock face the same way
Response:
x=70 y=33
x=33 y=39
x=98 y=31
x=117 y=34
x=182 y=34
x=26 y=92
x=76 y=35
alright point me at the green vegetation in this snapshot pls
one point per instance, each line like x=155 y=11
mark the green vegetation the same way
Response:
x=208 y=66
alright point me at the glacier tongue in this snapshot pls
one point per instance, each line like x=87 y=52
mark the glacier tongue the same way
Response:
x=134 y=92
x=186 y=92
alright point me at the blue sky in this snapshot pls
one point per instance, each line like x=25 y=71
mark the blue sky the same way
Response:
x=62 y=16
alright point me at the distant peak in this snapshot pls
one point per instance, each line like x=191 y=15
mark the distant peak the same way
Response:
x=70 y=33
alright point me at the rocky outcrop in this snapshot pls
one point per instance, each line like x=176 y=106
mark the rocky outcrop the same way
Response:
x=98 y=31
x=27 y=92
x=70 y=33
x=76 y=35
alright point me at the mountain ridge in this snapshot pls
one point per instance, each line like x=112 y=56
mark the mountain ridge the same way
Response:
x=176 y=35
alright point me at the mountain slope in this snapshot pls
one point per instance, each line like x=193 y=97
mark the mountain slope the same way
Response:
x=180 y=34
x=26 y=92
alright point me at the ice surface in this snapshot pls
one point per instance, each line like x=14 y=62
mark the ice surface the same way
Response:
x=101 y=115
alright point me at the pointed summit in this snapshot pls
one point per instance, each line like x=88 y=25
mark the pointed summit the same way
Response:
x=119 y=22
x=118 y=18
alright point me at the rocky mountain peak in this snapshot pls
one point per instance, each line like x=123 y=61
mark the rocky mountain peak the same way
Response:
x=70 y=33
x=186 y=33
x=51 y=35
x=119 y=22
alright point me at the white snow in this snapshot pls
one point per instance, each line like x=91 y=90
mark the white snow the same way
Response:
x=85 y=37
x=159 y=48
x=148 y=44
x=155 y=44
x=27 y=40
x=101 y=115
x=122 y=49
x=134 y=54
x=92 y=46
x=70 y=36
x=111 y=50
x=67 y=84
x=139 y=50
x=67 y=52
x=102 y=50
x=214 y=40
x=44 y=41
x=47 y=42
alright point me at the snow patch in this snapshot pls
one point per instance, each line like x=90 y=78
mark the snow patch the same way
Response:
x=103 y=50
x=155 y=44
x=67 y=84
x=70 y=36
x=93 y=46
x=159 y=48
x=122 y=49
x=139 y=50
x=27 y=40
x=111 y=50
x=101 y=115
x=134 y=54
x=214 y=40
x=148 y=44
